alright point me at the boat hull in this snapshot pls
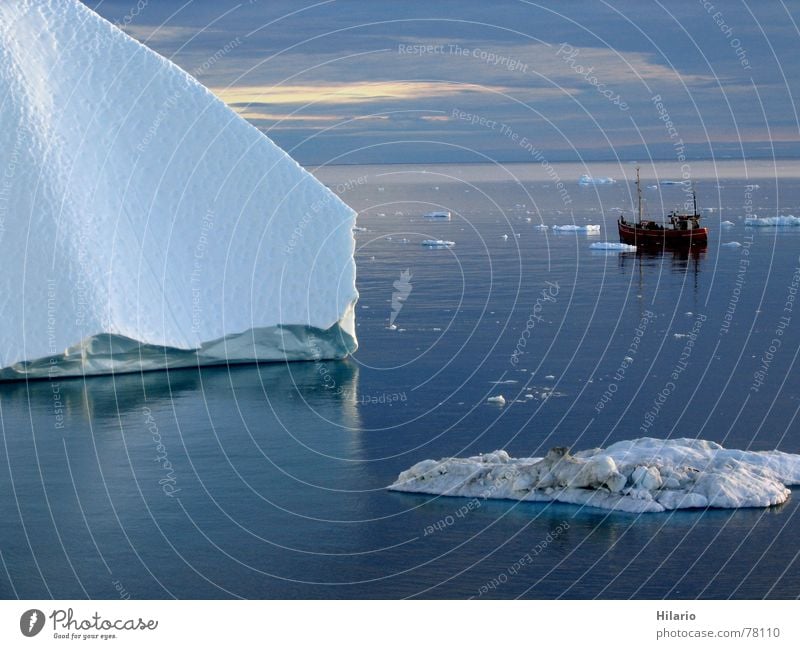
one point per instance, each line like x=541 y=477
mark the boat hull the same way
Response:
x=664 y=237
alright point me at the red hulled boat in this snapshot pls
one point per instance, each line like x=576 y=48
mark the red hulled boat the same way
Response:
x=680 y=229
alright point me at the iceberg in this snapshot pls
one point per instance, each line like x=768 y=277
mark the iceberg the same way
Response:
x=438 y=243
x=145 y=225
x=638 y=476
x=769 y=221
x=576 y=228
x=612 y=245
x=586 y=179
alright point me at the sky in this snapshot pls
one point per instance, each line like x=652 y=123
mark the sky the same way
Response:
x=352 y=81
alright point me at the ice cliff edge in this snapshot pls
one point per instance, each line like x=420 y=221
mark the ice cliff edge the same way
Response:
x=143 y=224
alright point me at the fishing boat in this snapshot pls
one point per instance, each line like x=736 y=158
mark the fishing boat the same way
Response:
x=679 y=229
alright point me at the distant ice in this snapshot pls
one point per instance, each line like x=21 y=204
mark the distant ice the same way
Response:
x=732 y=244
x=727 y=224
x=612 y=245
x=767 y=221
x=576 y=228
x=540 y=226
x=438 y=243
x=642 y=475
x=586 y=179
x=500 y=400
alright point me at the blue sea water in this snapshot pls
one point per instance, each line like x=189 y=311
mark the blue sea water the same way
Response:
x=269 y=481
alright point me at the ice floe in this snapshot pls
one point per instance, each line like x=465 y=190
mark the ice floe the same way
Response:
x=767 y=221
x=612 y=245
x=641 y=475
x=438 y=243
x=586 y=179
x=576 y=228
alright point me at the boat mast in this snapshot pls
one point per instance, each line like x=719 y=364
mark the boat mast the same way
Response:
x=694 y=198
x=639 y=194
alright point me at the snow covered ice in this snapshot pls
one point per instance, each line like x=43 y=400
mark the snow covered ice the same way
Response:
x=642 y=475
x=152 y=226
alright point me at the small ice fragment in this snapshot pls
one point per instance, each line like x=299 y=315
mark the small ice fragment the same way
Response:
x=438 y=243
x=500 y=400
x=612 y=245
x=586 y=179
x=576 y=228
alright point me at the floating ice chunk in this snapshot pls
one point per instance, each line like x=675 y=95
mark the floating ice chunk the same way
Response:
x=171 y=232
x=356 y=228
x=612 y=245
x=642 y=475
x=727 y=224
x=674 y=182
x=586 y=179
x=500 y=400
x=576 y=228
x=767 y=221
x=550 y=377
x=504 y=237
x=540 y=226
x=442 y=216
x=732 y=244
x=438 y=243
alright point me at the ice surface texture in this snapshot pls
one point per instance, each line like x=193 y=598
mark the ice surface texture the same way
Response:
x=642 y=475
x=137 y=208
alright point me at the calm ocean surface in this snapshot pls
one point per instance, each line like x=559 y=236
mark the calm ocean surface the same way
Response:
x=276 y=474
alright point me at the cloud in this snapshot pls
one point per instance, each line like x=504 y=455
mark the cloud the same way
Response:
x=345 y=93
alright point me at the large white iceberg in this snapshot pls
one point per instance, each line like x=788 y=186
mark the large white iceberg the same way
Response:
x=143 y=224
x=643 y=475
